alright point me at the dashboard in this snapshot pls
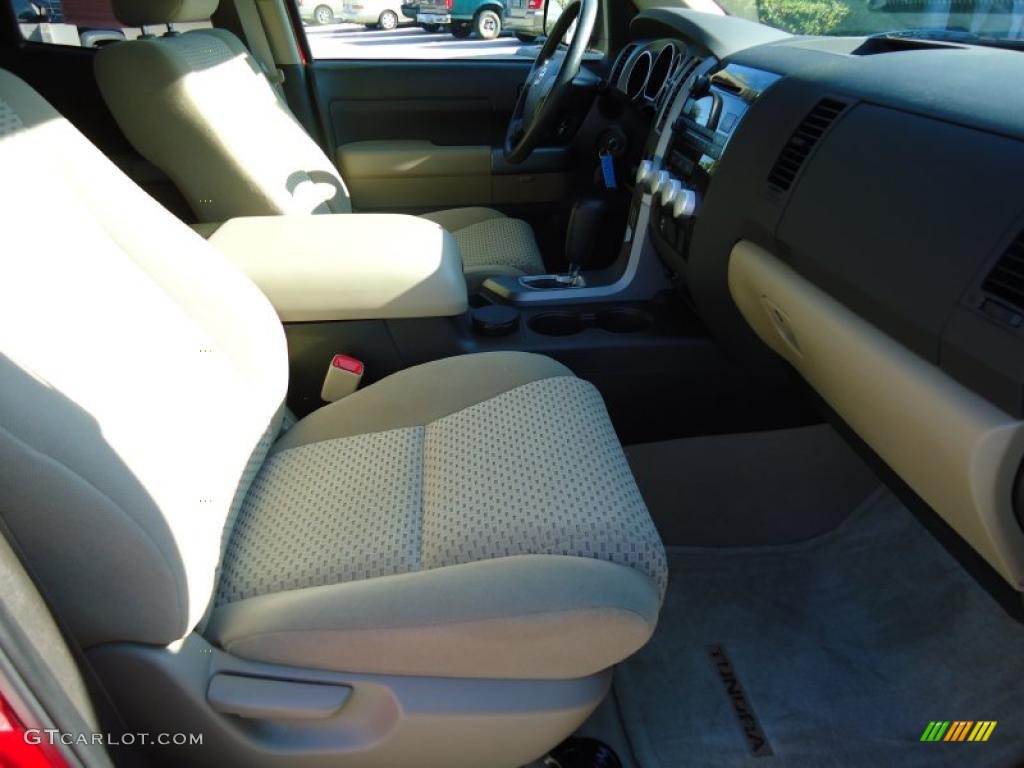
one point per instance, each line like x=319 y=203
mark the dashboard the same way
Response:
x=697 y=103
x=850 y=208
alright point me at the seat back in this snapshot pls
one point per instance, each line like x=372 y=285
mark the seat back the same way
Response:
x=198 y=106
x=141 y=381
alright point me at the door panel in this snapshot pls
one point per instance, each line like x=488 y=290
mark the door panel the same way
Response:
x=417 y=135
x=443 y=121
x=444 y=102
x=416 y=174
x=388 y=174
x=454 y=108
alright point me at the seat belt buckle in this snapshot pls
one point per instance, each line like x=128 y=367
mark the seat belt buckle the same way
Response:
x=343 y=377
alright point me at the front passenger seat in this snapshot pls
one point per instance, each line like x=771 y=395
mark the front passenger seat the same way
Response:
x=440 y=569
x=198 y=106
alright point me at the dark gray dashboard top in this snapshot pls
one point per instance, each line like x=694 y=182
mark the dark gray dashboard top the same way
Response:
x=720 y=36
x=974 y=86
x=969 y=85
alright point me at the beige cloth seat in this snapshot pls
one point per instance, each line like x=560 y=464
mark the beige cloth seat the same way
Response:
x=197 y=105
x=469 y=518
x=412 y=528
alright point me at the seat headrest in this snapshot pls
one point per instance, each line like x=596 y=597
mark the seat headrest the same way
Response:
x=138 y=13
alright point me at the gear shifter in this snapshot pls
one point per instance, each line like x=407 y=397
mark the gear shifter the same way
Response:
x=581 y=236
x=580 y=246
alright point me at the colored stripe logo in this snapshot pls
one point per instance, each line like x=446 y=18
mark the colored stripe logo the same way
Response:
x=958 y=730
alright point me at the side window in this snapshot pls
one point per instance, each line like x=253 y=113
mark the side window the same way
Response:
x=426 y=29
x=85 y=23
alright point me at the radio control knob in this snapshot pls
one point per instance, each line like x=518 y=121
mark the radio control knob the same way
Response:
x=670 y=191
x=661 y=178
x=645 y=173
x=684 y=204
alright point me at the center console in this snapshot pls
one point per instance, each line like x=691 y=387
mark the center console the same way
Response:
x=352 y=266
x=695 y=115
x=389 y=290
x=707 y=116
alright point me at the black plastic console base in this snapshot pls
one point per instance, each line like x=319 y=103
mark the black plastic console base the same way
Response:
x=660 y=373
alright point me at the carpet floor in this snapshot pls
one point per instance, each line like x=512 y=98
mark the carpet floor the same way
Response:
x=845 y=647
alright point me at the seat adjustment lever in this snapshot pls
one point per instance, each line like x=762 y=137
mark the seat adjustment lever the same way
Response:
x=269 y=699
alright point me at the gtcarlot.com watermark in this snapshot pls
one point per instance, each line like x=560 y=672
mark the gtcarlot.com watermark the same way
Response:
x=54 y=737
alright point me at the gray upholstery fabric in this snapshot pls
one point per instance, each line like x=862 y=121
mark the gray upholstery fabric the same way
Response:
x=515 y=459
x=477 y=484
x=491 y=243
x=492 y=471
x=329 y=512
x=201 y=48
x=288 y=420
x=259 y=455
x=499 y=241
x=454 y=219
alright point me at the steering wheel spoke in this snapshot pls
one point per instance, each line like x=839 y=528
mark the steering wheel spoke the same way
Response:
x=515 y=128
x=548 y=81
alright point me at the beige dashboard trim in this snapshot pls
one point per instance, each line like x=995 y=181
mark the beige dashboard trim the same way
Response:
x=957 y=451
x=351 y=266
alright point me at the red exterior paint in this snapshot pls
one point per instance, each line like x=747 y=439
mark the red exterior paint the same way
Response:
x=90 y=13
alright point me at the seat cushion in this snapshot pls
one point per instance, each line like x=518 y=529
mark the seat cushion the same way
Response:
x=491 y=243
x=404 y=528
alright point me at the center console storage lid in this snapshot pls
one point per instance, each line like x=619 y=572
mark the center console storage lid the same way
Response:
x=350 y=266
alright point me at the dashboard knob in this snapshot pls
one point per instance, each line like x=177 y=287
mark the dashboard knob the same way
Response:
x=670 y=191
x=661 y=178
x=645 y=173
x=684 y=204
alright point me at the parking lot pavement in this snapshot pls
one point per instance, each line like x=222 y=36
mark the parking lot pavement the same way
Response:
x=354 y=41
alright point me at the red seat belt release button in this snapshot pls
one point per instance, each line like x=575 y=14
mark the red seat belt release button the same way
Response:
x=343 y=377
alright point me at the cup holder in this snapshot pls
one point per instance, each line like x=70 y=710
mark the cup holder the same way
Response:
x=557 y=323
x=612 y=320
x=622 y=320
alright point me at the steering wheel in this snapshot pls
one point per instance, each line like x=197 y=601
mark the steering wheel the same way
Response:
x=546 y=86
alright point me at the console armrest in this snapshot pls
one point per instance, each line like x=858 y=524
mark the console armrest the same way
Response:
x=351 y=266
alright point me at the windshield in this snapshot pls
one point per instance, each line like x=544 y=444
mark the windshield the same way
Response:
x=969 y=21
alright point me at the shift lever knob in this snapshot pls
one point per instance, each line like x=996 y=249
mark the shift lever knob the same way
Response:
x=584 y=228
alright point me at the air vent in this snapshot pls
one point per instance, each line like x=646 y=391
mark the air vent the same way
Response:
x=1006 y=280
x=620 y=63
x=727 y=84
x=800 y=144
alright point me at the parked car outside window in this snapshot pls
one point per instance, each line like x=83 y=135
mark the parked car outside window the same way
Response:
x=374 y=14
x=464 y=17
x=526 y=18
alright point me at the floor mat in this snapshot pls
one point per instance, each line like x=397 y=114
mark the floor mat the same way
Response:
x=846 y=647
x=753 y=489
